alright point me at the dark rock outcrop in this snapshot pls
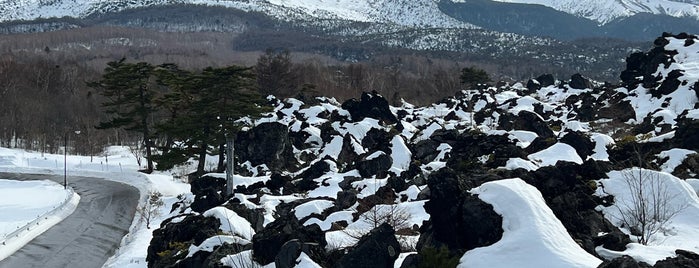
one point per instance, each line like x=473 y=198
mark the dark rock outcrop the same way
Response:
x=377 y=249
x=582 y=144
x=371 y=167
x=370 y=105
x=577 y=81
x=173 y=237
x=208 y=193
x=266 y=143
x=268 y=242
x=623 y=262
x=684 y=259
x=458 y=220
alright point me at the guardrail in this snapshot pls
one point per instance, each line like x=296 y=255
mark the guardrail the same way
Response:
x=28 y=227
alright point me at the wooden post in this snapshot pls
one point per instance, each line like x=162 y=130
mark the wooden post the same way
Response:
x=229 y=166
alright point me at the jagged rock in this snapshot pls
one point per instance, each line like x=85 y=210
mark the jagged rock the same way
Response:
x=668 y=85
x=201 y=184
x=569 y=193
x=193 y=229
x=458 y=220
x=582 y=144
x=577 y=81
x=207 y=193
x=623 y=262
x=533 y=85
x=526 y=120
x=370 y=105
x=346 y=199
x=546 y=80
x=425 y=151
x=377 y=249
x=645 y=65
x=616 y=240
x=371 y=167
x=268 y=242
x=309 y=175
x=347 y=157
x=266 y=143
x=291 y=251
x=377 y=140
x=277 y=181
x=687 y=133
x=256 y=217
x=684 y=259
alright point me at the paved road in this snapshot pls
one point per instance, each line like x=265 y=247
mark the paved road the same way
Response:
x=89 y=236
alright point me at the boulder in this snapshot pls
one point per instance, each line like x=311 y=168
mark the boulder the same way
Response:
x=687 y=133
x=370 y=105
x=582 y=144
x=577 y=81
x=268 y=242
x=546 y=80
x=371 y=167
x=207 y=192
x=346 y=199
x=458 y=220
x=290 y=252
x=266 y=143
x=173 y=237
x=377 y=140
x=307 y=177
x=377 y=249
x=623 y=262
x=526 y=120
x=684 y=259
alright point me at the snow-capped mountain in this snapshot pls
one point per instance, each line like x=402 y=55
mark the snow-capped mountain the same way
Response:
x=604 y=11
x=423 y=13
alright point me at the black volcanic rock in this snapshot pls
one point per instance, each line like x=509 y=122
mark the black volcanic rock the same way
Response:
x=370 y=105
x=266 y=143
x=623 y=262
x=458 y=220
x=577 y=81
x=377 y=249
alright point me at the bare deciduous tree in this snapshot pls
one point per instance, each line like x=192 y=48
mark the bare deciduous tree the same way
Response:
x=650 y=205
x=150 y=208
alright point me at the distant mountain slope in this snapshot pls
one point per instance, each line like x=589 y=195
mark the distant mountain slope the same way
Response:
x=605 y=11
x=540 y=20
x=422 y=13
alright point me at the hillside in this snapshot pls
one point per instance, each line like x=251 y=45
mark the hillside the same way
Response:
x=534 y=175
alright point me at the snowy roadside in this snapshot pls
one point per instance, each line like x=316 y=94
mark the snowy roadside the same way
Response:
x=29 y=209
x=115 y=164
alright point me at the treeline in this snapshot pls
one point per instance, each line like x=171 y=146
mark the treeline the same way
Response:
x=179 y=114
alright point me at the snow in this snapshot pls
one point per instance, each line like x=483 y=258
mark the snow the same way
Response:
x=215 y=241
x=231 y=223
x=601 y=143
x=310 y=207
x=557 y=152
x=681 y=231
x=29 y=208
x=532 y=233
x=401 y=155
x=605 y=11
x=675 y=157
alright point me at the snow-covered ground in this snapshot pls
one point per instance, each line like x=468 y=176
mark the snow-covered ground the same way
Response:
x=116 y=163
x=28 y=209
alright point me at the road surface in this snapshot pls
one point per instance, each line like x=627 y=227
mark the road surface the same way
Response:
x=89 y=236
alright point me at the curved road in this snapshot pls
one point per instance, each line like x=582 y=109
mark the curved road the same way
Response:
x=89 y=236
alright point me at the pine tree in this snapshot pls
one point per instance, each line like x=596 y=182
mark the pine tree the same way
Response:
x=129 y=100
